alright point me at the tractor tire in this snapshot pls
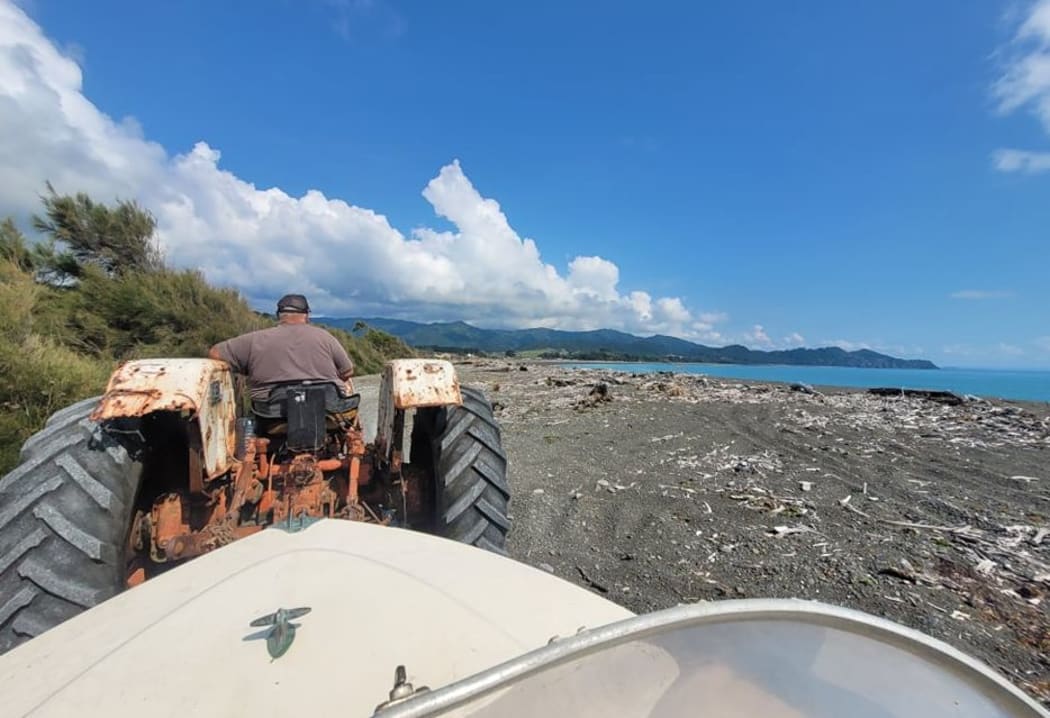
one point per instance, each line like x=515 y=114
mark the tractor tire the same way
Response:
x=65 y=513
x=470 y=472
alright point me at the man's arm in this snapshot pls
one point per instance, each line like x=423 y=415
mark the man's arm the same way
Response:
x=236 y=352
x=344 y=365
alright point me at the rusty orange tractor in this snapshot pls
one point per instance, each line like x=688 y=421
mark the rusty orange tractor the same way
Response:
x=172 y=462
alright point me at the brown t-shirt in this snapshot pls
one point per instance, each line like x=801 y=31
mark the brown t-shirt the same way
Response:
x=287 y=352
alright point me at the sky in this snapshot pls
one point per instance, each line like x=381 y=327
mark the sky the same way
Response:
x=766 y=173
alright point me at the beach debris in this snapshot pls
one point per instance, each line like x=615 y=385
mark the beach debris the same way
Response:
x=781 y=531
x=941 y=397
x=966 y=544
x=601 y=588
x=611 y=487
x=598 y=394
x=985 y=566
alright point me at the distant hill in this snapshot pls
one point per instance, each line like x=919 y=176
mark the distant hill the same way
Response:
x=609 y=344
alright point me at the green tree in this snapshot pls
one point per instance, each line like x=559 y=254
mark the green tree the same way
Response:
x=117 y=239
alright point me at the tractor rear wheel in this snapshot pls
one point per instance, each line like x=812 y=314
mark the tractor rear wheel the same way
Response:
x=65 y=512
x=472 y=495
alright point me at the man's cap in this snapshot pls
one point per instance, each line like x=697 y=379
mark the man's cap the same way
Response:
x=295 y=303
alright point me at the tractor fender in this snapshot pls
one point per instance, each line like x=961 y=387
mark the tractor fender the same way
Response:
x=413 y=384
x=199 y=389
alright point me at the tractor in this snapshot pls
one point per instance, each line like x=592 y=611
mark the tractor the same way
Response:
x=174 y=460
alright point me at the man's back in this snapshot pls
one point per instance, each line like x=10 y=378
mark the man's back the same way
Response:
x=286 y=352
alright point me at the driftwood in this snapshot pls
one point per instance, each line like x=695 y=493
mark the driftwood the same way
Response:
x=941 y=397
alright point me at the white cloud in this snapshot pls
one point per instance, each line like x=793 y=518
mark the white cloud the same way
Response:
x=1021 y=161
x=850 y=346
x=348 y=259
x=672 y=310
x=703 y=328
x=978 y=294
x=794 y=340
x=758 y=337
x=595 y=276
x=1025 y=82
x=1026 y=78
x=1009 y=350
x=706 y=333
x=642 y=304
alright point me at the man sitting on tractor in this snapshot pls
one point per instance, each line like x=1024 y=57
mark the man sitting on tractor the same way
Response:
x=294 y=350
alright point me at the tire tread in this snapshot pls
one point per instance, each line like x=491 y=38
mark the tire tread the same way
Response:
x=473 y=494
x=64 y=516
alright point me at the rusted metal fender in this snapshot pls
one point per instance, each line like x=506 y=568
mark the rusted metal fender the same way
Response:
x=201 y=389
x=413 y=384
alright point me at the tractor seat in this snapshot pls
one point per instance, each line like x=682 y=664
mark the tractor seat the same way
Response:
x=303 y=413
x=275 y=406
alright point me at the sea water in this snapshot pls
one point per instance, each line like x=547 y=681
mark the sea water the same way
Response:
x=1027 y=385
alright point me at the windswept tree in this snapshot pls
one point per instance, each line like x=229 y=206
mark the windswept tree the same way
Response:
x=117 y=239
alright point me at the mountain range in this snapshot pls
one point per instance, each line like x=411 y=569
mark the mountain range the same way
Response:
x=609 y=344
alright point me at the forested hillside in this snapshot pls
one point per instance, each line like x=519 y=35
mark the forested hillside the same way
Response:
x=612 y=345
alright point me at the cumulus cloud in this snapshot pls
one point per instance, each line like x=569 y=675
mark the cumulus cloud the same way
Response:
x=848 y=345
x=703 y=329
x=1026 y=77
x=263 y=241
x=1021 y=161
x=1025 y=83
x=794 y=340
x=758 y=337
x=897 y=350
x=978 y=294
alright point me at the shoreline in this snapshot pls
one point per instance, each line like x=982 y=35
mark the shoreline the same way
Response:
x=983 y=395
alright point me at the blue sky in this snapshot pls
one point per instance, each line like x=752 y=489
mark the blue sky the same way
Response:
x=769 y=173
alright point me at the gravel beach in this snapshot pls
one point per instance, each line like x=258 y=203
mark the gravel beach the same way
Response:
x=654 y=490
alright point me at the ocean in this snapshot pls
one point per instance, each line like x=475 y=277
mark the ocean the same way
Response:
x=1026 y=385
